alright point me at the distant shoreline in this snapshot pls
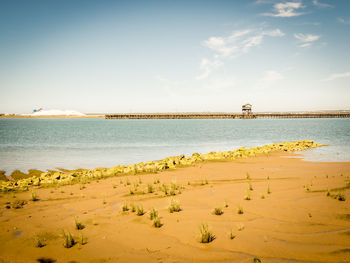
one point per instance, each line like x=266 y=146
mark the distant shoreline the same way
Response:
x=15 y=116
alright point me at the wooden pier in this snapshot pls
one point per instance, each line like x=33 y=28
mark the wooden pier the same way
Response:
x=278 y=115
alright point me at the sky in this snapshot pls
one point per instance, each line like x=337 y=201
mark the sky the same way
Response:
x=174 y=56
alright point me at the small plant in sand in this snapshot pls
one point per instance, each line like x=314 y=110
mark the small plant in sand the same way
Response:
x=248 y=195
x=262 y=196
x=114 y=186
x=132 y=191
x=240 y=210
x=232 y=236
x=248 y=176
x=172 y=192
x=307 y=188
x=17 y=204
x=174 y=206
x=250 y=187
x=140 y=181
x=206 y=236
x=150 y=188
x=340 y=196
x=328 y=193
x=68 y=240
x=128 y=181
x=268 y=189
x=156 y=222
x=121 y=181
x=218 y=211
x=164 y=189
x=240 y=226
x=139 y=210
x=39 y=241
x=156 y=181
x=104 y=200
x=256 y=260
x=82 y=186
x=34 y=197
x=268 y=177
x=78 y=224
x=225 y=204
x=125 y=207
x=133 y=207
x=82 y=240
x=153 y=213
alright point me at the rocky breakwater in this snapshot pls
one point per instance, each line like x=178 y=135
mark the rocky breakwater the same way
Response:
x=57 y=178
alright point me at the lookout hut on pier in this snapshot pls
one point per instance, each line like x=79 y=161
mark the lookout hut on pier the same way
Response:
x=247 y=109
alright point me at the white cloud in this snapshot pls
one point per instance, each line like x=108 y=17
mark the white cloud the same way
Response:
x=343 y=21
x=337 y=76
x=318 y=4
x=269 y=78
x=229 y=47
x=207 y=67
x=287 y=9
x=306 y=39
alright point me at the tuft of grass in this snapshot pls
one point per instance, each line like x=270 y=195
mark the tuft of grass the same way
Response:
x=82 y=186
x=125 y=207
x=232 y=236
x=153 y=214
x=132 y=191
x=262 y=196
x=188 y=183
x=150 y=188
x=240 y=210
x=248 y=195
x=340 y=196
x=104 y=200
x=268 y=177
x=256 y=260
x=139 y=210
x=328 y=193
x=82 y=240
x=156 y=181
x=164 y=188
x=268 y=189
x=17 y=204
x=240 y=226
x=206 y=236
x=140 y=181
x=34 y=197
x=307 y=188
x=156 y=222
x=225 y=204
x=121 y=181
x=114 y=186
x=250 y=187
x=133 y=207
x=78 y=224
x=218 y=211
x=248 y=176
x=128 y=181
x=39 y=241
x=68 y=240
x=174 y=206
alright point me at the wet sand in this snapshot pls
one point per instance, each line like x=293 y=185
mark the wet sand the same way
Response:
x=296 y=222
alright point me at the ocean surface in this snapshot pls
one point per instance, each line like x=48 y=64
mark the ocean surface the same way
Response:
x=90 y=143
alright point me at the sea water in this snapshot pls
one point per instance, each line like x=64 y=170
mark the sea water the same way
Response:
x=90 y=143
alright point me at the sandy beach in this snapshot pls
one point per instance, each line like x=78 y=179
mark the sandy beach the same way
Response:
x=289 y=216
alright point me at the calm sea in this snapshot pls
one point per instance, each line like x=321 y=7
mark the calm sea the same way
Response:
x=90 y=143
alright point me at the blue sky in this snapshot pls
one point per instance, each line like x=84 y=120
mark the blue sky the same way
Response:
x=174 y=56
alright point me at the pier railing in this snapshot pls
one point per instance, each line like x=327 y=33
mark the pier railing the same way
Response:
x=225 y=115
